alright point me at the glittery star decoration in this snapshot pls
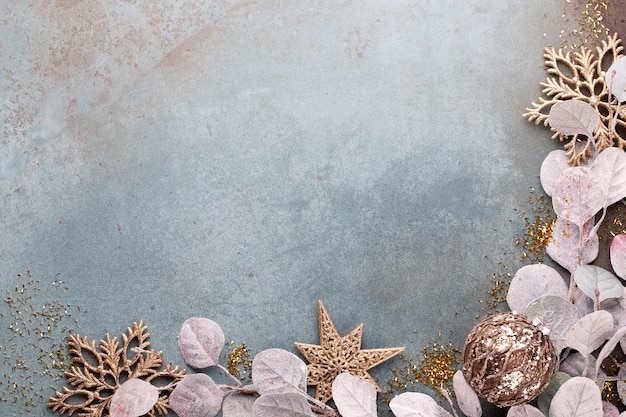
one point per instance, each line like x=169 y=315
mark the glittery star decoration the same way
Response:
x=336 y=354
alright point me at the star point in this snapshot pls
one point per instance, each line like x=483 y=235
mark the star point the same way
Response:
x=336 y=354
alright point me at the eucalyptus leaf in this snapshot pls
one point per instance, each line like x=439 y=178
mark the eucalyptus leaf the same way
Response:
x=416 y=404
x=610 y=169
x=551 y=169
x=609 y=346
x=564 y=246
x=282 y=404
x=590 y=332
x=573 y=117
x=618 y=255
x=577 y=195
x=133 y=398
x=616 y=79
x=276 y=370
x=238 y=405
x=525 y=410
x=465 y=396
x=597 y=283
x=577 y=397
x=557 y=313
x=545 y=397
x=353 y=396
x=200 y=341
x=533 y=281
x=576 y=364
x=621 y=385
x=196 y=395
x=609 y=409
x=617 y=308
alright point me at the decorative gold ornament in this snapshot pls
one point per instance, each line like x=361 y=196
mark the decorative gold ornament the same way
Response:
x=508 y=360
x=336 y=354
x=580 y=75
x=96 y=374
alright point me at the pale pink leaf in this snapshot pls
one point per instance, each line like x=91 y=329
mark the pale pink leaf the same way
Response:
x=416 y=404
x=577 y=397
x=276 y=370
x=563 y=246
x=284 y=404
x=238 y=405
x=610 y=169
x=534 y=281
x=196 y=395
x=597 y=283
x=590 y=332
x=465 y=396
x=525 y=410
x=200 y=341
x=616 y=79
x=578 y=195
x=133 y=398
x=609 y=409
x=609 y=346
x=353 y=396
x=618 y=255
x=573 y=117
x=551 y=169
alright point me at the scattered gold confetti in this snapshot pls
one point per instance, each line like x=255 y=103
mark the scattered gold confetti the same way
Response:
x=240 y=362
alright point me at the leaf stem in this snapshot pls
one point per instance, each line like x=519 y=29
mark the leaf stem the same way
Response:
x=446 y=395
x=228 y=374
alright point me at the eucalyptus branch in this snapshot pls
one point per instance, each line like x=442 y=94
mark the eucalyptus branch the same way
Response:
x=446 y=395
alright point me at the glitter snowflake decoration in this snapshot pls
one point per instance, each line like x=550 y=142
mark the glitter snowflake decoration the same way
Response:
x=580 y=75
x=95 y=374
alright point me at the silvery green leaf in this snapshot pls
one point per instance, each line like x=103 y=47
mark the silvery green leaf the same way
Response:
x=610 y=169
x=133 y=398
x=533 y=281
x=525 y=410
x=353 y=396
x=555 y=312
x=590 y=332
x=465 y=396
x=621 y=385
x=577 y=397
x=609 y=346
x=282 y=404
x=576 y=364
x=196 y=395
x=616 y=79
x=551 y=169
x=416 y=404
x=545 y=397
x=577 y=195
x=238 y=405
x=573 y=117
x=200 y=341
x=618 y=255
x=564 y=246
x=609 y=410
x=597 y=283
x=617 y=308
x=276 y=370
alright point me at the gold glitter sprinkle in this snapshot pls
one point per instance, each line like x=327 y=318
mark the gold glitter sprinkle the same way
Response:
x=538 y=229
x=240 y=362
x=434 y=369
x=589 y=17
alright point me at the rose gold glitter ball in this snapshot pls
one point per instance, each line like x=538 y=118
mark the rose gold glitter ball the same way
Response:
x=507 y=360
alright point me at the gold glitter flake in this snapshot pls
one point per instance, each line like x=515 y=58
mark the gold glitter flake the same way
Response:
x=240 y=362
x=538 y=229
x=434 y=368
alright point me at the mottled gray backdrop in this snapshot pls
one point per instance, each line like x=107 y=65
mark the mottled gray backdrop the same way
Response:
x=240 y=160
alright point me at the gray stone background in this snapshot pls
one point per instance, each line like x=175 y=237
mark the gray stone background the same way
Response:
x=240 y=160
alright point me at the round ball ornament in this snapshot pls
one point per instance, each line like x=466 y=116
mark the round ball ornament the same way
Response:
x=508 y=360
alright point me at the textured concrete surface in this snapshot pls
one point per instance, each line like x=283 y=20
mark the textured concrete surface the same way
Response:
x=239 y=160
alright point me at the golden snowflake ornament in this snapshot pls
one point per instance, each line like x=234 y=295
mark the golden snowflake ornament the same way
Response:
x=580 y=75
x=95 y=374
x=336 y=354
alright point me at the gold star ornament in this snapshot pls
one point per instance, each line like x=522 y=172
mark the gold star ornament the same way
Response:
x=336 y=354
